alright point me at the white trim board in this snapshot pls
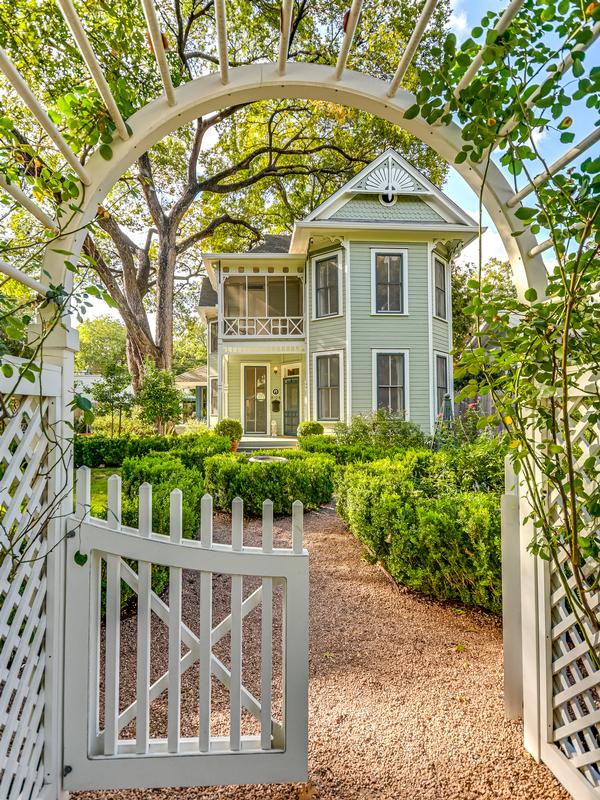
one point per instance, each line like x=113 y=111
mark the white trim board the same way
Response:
x=382 y=250
x=315 y=355
x=375 y=351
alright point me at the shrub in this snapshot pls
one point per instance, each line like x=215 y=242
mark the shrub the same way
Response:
x=343 y=453
x=382 y=430
x=417 y=514
x=195 y=449
x=160 y=401
x=303 y=476
x=165 y=472
x=231 y=428
x=309 y=428
x=131 y=425
x=95 y=451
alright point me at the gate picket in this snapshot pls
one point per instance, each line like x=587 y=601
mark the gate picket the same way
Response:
x=104 y=759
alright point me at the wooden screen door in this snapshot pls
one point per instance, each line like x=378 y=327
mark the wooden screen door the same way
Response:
x=291 y=406
x=255 y=399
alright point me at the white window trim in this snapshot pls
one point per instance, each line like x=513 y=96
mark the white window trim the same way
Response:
x=269 y=367
x=384 y=251
x=212 y=412
x=313 y=282
x=436 y=257
x=342 y=417
x=212 y=322
x=449 y=377
x=386 y=204
x=391 y=350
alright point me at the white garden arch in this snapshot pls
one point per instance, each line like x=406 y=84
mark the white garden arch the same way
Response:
x=573 y=722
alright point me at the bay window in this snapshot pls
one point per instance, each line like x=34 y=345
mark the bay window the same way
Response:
x=327 y=368
x=388 y=282
x=327 y=290
x=390 y=387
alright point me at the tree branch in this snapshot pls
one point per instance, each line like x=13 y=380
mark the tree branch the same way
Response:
x=224 y=219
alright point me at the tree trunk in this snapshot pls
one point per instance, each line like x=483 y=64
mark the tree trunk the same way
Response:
x=135 y=363
x=165 y=290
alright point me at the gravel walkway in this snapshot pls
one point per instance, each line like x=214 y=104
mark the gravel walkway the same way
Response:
x=405 y=693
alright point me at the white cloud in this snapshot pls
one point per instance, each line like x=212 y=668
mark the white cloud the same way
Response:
x=458 y=22
x=492 y=247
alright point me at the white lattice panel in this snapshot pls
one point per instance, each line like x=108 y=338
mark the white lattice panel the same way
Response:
x=575 y=692
x=23 y=510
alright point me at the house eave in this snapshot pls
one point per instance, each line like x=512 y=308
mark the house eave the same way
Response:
x=303 y=231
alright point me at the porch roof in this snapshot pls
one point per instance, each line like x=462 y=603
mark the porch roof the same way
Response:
x=263 y=347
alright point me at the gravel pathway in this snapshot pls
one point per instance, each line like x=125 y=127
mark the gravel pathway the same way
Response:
x=405 y=693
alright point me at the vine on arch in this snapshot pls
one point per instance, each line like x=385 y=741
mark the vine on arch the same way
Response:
x=539 y=356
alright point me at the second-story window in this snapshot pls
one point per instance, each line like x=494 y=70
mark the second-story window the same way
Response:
x=327 y=287
x=440 y=300
x=389 y=283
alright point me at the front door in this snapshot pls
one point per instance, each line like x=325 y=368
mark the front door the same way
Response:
x=291 y=405
x=255 y=400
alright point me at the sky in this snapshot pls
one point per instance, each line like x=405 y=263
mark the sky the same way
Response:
x=465 y=15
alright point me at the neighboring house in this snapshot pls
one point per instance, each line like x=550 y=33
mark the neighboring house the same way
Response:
x=195 y=380
x=349 y=314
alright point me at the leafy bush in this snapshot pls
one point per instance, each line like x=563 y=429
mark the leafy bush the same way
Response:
x=165 y=472
x=231 y=428
x=309 y=428
x=421 y=515
x=95 y=451
x=131 y=425
x=303 y=476
x=160 y=401
x=382 y=429
x=343 y=453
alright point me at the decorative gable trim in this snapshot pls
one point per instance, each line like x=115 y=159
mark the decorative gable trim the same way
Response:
x=390 y=172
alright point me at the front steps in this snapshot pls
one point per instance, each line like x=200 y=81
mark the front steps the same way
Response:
x=249 y=443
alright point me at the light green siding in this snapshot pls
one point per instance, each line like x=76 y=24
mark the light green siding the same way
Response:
x=411 y=332
x=328 y=333
x=440 y=335
x=368 y=208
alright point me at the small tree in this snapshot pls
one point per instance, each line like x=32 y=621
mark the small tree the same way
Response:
x=112 y=394
x=160 y=401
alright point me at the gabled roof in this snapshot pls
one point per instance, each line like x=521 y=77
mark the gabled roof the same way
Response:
x=273 y=243
x=390 y=173
x=208 y=296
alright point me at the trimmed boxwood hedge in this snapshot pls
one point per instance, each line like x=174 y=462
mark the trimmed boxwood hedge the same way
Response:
x=343 y=453
x=97 y=451
x=165 y=472
x=306 y=477
x=431 y=519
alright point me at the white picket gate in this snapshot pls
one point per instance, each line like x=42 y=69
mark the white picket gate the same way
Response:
x=96 y=754
x=549 y=671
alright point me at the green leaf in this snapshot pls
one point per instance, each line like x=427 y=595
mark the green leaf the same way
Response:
x=106 y=152
x=525 y=213
x=412 y=112
x=531 y=295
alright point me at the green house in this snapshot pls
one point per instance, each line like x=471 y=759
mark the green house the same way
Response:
x=351 y=313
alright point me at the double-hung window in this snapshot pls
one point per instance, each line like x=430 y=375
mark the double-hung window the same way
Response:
x=389 y=282
x=390 y=382
x=327 y=293
x=442 y=383
x=213 y=332
x=328 y=387
x=439 y=279
x=214 y=402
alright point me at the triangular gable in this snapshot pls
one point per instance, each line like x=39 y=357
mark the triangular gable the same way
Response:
x=390 y=173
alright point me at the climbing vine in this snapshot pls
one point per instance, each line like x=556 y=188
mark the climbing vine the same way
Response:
x=539 y=356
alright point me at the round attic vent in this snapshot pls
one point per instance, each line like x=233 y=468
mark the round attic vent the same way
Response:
x=387 y=199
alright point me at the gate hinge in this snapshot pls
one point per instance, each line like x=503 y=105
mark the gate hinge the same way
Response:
x=66 y=770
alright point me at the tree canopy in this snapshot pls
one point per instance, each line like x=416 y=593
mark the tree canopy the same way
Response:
x=230 y=176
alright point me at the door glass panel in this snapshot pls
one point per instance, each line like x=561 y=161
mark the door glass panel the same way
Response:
x=255 y=399
x=291 y=406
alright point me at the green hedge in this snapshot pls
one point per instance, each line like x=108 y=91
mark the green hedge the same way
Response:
x=165 y=472
x=424 y=516
x=304 y=477
x=343 y=453
x=97 y=451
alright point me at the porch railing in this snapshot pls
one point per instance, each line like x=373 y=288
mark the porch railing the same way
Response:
x=263 y=326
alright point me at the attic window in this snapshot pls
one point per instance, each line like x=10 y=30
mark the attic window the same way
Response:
x=387 y=199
